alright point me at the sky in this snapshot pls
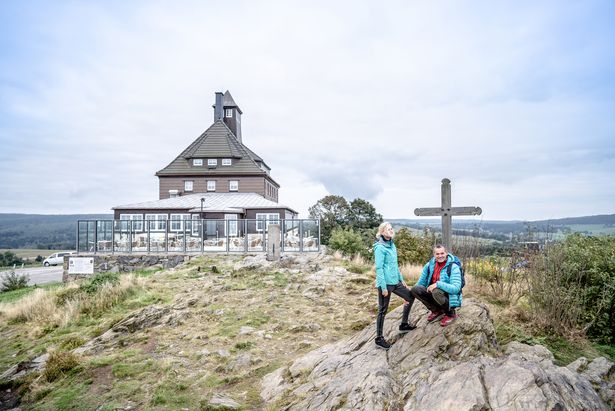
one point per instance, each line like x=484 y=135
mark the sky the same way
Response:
x=514 y=102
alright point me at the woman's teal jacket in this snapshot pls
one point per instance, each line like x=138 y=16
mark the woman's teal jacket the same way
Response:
x=451 y=285
x=387 y=270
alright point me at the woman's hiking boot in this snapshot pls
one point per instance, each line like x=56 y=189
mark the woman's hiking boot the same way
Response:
x=405 y=327
x=382 y=343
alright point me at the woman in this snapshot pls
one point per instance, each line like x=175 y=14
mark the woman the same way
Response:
x=389 y=280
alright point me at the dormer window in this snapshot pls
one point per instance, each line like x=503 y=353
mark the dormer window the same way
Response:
x=228 y=113
x=226 y=161
x=212 y=162
x=197 y=162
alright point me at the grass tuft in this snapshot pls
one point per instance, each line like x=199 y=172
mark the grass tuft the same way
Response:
x=59 y=364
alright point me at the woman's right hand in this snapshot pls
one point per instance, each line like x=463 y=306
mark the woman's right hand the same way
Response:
x=385 y=293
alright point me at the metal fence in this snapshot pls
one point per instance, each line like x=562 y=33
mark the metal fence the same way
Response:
x=193 y=236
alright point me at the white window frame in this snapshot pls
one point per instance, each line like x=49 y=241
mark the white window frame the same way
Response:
x=160 y=221
x=266 y=218
x=197 y=162
x=211 y=185
x=137 y=219
x=196 y=225
x=226 y=162
x=228 y=113
x=177 y=222
x=233 y=187
x=188 y=185
x=212 y=161
x=231 y=223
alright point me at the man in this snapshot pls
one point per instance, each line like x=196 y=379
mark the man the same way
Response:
x=439 y=286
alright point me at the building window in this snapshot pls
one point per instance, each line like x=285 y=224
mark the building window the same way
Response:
x=188 y=185
x=177 y=221
x=157 y=222
x=137 y=222
x=211 y=185
x=228 y=112
x=264 y=219
x=212 y=162
x=233 y=185
x=226 y=162
x=197 y=162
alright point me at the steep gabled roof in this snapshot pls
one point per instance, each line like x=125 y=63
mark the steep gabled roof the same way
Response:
x=228 y=101
x=218 y=141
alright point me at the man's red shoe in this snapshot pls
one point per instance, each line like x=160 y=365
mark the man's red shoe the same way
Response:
x=446 y=320
x=433 y=316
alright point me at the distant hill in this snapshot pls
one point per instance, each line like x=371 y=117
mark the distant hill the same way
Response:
x=42 y=231
x=592 y=225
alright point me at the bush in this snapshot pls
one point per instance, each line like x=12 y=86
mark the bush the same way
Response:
x=9 y=258
x=13 y=281
x=572 y=286
x=348 y=242
x=413 y=249
x=96 y=282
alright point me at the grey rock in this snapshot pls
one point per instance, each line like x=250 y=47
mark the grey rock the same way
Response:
x=578 y=365
x=219 y=401
x=224 y=353
x=458 y=367
x=24 y=368
x=244 y=330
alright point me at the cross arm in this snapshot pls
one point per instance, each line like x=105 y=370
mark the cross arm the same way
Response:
x=438 y=211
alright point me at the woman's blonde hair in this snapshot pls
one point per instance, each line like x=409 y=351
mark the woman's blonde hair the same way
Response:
x=381 y=228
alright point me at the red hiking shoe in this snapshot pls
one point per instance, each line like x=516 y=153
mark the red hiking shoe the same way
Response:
x=446 y=320
x=433 y=316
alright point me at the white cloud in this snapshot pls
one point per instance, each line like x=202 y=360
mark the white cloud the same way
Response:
x=378 y=102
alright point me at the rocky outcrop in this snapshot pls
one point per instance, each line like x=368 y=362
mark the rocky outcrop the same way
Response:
x=458 y=367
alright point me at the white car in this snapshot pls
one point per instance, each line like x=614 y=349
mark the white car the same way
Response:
x=56 y=258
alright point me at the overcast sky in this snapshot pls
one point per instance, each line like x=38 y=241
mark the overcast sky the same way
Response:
x=513 y=101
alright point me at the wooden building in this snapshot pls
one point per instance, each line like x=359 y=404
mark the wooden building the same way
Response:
x=215 y=177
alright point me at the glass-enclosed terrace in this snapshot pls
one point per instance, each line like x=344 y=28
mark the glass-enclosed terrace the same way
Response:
x=194 y=236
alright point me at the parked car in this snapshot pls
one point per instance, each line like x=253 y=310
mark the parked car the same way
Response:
x=56 y=258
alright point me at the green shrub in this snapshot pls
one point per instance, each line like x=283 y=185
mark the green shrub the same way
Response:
x=572 y=286
x=348 y=242
x=12 y=281
x=413 y=249
x=93 y=285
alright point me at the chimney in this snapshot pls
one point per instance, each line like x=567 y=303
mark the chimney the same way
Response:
x=218 y=107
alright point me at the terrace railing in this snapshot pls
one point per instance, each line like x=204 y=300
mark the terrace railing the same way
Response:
x=193 y=236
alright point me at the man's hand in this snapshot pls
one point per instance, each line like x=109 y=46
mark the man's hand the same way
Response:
x=431 y=288
x=385 y=293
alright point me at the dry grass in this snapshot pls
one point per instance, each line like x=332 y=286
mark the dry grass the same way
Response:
x=62 y=306
x=411 y=272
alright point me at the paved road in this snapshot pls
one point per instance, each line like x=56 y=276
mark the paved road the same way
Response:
x=42 y=275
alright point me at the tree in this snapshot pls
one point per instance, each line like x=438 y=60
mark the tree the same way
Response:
x=413 y=249
x=362 y=214
x=347 y=241
x=332 y=211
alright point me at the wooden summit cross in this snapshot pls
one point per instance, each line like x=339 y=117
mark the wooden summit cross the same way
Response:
x=447 y=212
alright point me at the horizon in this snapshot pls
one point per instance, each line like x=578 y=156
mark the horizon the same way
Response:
x=414 y=218
x=510 y=101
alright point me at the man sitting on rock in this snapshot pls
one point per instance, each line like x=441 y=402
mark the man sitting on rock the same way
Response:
x=439 y=286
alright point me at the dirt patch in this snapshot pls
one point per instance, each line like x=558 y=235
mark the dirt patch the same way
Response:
x=102 y=380
x=149 y=346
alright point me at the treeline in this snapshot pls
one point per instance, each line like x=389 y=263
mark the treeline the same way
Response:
x=39 y=231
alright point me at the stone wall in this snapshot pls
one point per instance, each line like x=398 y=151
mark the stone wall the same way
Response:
x=126 y=263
